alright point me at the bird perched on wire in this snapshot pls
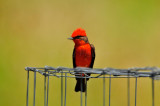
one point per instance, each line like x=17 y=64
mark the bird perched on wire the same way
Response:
x=83 y=55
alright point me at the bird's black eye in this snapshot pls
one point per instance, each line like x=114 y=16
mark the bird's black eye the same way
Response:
x=77 y=37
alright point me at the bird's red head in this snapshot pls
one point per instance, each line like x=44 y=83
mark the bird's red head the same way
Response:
x=78 y=32
x=79 y=37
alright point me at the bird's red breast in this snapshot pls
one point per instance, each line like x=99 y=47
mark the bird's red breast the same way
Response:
x=83 y=55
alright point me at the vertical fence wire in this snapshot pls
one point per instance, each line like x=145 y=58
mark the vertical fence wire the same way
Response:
x=62 y=89
x=136 y=92
x=128 y=83
x=152 y=91
x=34 y=95
x=27 y=88
x=104 y=88
x=65 y=89
x=86 y=92
x=47 y=90
x=81 y=91
x=110 y=90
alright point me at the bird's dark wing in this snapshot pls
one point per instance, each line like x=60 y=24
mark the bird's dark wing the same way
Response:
x=93 y=55
x=73 y=57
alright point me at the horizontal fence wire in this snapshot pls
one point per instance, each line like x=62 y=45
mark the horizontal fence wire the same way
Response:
x=134 y=72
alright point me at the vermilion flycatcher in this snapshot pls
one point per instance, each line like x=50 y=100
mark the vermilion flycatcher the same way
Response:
x=83 y=55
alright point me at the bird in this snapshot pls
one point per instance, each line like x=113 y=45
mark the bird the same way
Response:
x=83 y=55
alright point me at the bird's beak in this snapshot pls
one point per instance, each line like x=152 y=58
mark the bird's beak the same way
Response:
x=70 y=38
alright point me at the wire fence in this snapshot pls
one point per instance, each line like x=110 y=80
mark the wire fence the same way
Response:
x=64 y=73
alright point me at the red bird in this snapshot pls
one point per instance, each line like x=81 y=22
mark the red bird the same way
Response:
x=83 y=55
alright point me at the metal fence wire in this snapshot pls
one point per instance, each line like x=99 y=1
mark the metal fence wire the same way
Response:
x=64 y=73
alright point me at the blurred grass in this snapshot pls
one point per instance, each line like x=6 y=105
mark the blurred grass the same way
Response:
x=33 y=33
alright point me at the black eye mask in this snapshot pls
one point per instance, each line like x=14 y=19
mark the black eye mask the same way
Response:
x=77 y=37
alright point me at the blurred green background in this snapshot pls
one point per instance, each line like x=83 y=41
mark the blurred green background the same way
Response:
x=34 y=33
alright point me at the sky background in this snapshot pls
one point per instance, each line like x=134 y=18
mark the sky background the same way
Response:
x=34 y=33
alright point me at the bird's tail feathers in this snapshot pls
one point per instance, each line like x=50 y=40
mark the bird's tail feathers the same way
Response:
x=80 y=86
